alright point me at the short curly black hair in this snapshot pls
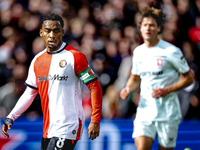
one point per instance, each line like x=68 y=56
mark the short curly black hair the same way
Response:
x=53 y=17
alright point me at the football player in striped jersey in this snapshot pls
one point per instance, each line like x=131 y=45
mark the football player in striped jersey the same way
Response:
x=58 y=73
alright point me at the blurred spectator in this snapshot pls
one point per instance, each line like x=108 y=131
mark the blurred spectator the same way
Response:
x=190 y=97
x=170 y=26
x=131 y=34
x=76 y=28
x=124 y=69
x=185 y=21
x=115 y=35
x=192 y=57
x=37 y=45
x=112 y=60
x=12 y=90
x=7 y=47
x=111 y=107
x=84 y=13
x=87 y=51
x=45 y=7
x=98 y=67
x=6 y=52
x=129 y=106
x=87 y=40
x=124 y=47
x=10 y=94
x=194 y=32
x=89 y=29
x=190 y=101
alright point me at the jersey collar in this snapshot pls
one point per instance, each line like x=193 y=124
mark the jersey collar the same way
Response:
x=63 y=46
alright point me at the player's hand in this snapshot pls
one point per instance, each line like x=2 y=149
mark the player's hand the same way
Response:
x=7 y=123
x=93 y=130
x=124 y=93
x=159 y=92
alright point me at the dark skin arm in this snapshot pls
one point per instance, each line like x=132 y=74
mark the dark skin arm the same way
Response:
x=96 y=99
x=93 y=130
x=5 y=129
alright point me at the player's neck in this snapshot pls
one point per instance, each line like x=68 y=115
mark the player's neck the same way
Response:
x=151 y=43
x=54 y=49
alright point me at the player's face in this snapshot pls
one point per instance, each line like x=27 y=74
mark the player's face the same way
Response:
x=149 y=29
x=52 y=33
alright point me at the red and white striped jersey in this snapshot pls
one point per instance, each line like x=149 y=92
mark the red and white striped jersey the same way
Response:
x=58 y=76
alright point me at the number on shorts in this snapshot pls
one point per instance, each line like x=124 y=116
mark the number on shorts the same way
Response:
x=60 y=143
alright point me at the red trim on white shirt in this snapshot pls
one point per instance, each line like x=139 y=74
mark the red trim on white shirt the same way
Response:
x=79 y=130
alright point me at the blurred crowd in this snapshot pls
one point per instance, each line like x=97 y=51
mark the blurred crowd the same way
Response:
x=107 y=32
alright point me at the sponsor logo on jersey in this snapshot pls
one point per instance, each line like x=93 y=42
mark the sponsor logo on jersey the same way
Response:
x=159 y=62
x=40 y=64
x=63 y=63
x=151 y=73
x=50 y=77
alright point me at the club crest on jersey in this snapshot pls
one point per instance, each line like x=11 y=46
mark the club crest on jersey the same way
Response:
x=63 y=63
x=159 y=62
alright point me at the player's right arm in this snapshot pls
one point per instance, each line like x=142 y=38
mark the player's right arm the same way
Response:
x=22 y=105
x=132 y=83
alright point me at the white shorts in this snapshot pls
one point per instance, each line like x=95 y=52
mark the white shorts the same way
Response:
x=165 y=130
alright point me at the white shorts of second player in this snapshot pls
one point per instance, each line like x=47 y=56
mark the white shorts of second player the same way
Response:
x=165 y=130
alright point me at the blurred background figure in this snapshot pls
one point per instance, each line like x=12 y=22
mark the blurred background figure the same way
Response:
x=189 y=97
x=111 y=107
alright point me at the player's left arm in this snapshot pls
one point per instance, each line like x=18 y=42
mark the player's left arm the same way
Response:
x=96 y=99
x=85 y=73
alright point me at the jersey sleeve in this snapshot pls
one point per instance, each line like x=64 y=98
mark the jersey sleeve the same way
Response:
x=31 y=79
x=85 y=73
x=82 y=69
x=96 y=100
x=135 y=69
x=178 y=60
x=23 y=103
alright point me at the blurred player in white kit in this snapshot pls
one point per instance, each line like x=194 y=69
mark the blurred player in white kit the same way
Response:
x=160 y=69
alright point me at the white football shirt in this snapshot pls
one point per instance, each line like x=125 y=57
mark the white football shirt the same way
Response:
x=158 y=66
x=58 y=77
